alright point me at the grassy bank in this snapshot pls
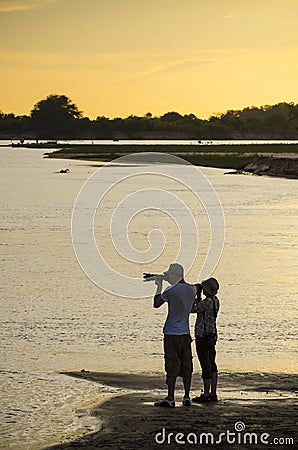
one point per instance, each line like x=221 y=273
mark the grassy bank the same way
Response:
x=169 y=148
x=220 y=156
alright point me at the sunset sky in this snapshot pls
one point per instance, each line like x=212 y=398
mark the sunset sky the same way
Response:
x=121 y=57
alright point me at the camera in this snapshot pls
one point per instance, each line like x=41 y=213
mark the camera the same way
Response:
x=150 y=276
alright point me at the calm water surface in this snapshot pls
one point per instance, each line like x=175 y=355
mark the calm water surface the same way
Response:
x=53 y=318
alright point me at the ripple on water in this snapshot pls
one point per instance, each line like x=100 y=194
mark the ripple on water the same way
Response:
x=45 y=409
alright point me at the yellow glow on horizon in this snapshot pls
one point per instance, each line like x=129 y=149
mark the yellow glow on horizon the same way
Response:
x=119 y=58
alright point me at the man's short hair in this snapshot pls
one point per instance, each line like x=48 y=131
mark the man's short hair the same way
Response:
x=176 y=269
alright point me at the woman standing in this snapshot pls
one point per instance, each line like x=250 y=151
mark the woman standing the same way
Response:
x=206 y=337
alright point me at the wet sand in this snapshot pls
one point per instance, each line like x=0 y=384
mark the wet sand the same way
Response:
x=264 y=403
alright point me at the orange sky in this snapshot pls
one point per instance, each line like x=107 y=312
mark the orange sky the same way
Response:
x=122 y=57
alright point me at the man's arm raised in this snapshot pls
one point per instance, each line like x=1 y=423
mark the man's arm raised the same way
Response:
x=158 y=301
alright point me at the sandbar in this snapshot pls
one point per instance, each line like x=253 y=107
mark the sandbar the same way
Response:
x=264 y=404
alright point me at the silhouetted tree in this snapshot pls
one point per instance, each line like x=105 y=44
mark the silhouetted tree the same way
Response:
x=171 y=117
x=55 y=117
x=190 y=116
x=12 y=126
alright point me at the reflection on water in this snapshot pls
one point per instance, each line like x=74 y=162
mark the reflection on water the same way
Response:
x=54 y=319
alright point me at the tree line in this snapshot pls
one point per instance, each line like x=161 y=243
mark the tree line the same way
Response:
x=57 y=117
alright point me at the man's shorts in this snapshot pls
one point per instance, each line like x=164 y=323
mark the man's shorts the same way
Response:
x=178 y=357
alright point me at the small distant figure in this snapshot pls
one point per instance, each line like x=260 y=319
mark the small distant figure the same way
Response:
x=206 y=337
x=180 y=297
x=64 y=171
x=22 y=140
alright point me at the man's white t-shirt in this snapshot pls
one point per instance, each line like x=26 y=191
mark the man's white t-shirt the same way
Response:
x=180 y=299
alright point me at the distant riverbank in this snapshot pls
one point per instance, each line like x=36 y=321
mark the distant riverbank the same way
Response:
x=279 y=160
x=272 y=159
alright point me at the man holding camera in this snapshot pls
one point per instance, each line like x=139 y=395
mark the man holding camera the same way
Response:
x=180 y=297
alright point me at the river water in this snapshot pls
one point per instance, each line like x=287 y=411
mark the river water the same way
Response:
x=54 y=319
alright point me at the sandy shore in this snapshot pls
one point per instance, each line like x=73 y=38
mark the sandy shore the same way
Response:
x=265 y=403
